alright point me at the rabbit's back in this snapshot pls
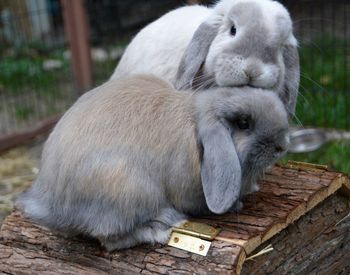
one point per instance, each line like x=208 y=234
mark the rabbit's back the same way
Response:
x=129 y=142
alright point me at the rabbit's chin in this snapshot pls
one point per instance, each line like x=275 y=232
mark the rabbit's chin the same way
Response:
x=250 y=180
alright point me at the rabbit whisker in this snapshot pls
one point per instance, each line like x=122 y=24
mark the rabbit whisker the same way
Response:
x=302 y=96
x=304 y=75
x=204 y=84
x=299 y=123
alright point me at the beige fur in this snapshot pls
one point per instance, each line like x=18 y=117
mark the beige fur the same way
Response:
x=168 y=117
x=131 y=157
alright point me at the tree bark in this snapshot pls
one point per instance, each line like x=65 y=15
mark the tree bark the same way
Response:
x=28 y=248
x=318 y=243
x=315 y=242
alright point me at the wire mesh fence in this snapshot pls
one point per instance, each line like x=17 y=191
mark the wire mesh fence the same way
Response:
x=114 y=23
x=36 y=79
x=35 y=75
x=323 y=29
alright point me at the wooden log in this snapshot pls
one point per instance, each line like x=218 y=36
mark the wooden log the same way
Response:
x=29 y=248
x=24 y=136
x=271 y=216
x=318 y=243
x=273 y=208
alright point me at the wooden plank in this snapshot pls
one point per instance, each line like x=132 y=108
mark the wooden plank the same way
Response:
x=81 y=256
x=282 y=200
x=345 y=189
x=316 y=244
x=20 y=261
x=18 y=138
x=77 y=32
x=265 y=214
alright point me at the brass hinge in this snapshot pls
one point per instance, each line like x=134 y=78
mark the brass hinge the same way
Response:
x=193 y=237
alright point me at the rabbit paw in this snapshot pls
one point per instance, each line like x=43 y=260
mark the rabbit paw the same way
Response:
x=157 y=230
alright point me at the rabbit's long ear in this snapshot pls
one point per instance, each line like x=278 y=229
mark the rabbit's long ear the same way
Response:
x=290 y=89
x=195 y=55
x=220 y=170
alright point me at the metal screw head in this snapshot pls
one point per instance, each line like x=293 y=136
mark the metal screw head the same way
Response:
x=201 y=247
x=176 y=240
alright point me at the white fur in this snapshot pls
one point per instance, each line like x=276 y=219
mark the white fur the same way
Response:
x=158 y=48
x=271 y=10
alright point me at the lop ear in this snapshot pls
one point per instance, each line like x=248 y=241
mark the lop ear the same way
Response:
x=220 y=170
x=290 y=89
x=195 y=55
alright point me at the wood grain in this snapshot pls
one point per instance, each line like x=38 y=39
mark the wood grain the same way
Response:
x=287 y=193
x=318 y=243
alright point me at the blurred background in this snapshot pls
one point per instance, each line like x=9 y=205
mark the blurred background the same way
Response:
x=51 y=51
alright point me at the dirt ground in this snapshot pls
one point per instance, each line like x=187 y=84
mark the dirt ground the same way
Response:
x=18 y=169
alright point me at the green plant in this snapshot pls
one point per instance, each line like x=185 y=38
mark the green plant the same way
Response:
x=23 y=112
x=324 y=97
x=22 y=69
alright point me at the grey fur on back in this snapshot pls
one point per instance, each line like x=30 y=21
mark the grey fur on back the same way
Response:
x=110 y=118
x=130 y=157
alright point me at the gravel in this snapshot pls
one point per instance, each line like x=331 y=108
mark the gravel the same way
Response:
x=18 y=169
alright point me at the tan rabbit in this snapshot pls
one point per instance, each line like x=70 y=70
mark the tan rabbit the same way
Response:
x=132 y=157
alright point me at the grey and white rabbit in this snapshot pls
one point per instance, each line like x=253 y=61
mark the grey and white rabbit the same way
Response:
x=131 y=158
x=233 y=43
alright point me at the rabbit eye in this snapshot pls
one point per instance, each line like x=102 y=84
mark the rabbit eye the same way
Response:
x=243 y=124
x=233 y=30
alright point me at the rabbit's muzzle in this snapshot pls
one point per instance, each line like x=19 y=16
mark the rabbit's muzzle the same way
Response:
x=239 y=71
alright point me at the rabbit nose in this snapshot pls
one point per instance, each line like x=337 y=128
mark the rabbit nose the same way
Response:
x=260 y=74
x=282 y=146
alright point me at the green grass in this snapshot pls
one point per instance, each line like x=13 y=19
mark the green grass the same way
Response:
x=323 y=109
x=324 y=97
x=23 y=78
x=334 y=154
x=323 y=61
x=23 y=112
x=324 y=100
x=22 y=73
x=102 y=71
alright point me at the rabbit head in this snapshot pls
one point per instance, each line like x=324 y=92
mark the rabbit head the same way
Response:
x=242 y=131
x=244 y=42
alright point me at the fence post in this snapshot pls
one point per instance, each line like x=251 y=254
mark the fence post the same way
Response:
x=77 y=31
